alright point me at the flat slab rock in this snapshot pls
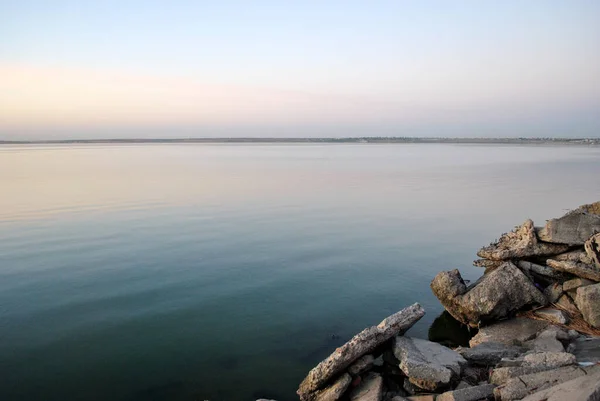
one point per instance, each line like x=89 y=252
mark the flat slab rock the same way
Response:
x=584 y=388
x=510 y=332
x=335 y=391
x=574 y=228
x=553 y=315
x=474 y=393
x=361 y=344
x=586 y=349
x=428 y=365
x=576 y=268
x=522 y=386
x=522 y=242
x=490 y=353
x=495 y=295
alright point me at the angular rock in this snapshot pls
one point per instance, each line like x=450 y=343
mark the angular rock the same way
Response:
x=521 y=386
x=501 y=375
x=488 y=264
x=369 y=389
x=361 y=344
x=475 y=393
x=522 y=242
x=422 y=397
x=577 y=255
x=566 y=303
x=475 y=374
x=574 y=228
x=546 y=341
x=552 y=315
x=495 y=296
x=513 y=331
x=586 y=349
x=462 y=385
x=576 y=268
x=361 y=365
x=574 y=284
x=531 y=269
x=553 y=292
x=584 y=388
x=592 y=249
x=549 y=360
x=490 y=353
x=588 y=302
x=334 y=392
x=428 y=365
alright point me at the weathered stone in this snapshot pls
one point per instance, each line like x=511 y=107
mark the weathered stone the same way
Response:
x=422 y=397
x=411 y=388
x=520 y=243
x=362 y=343
x=553 y=292
x=566 y=303
x=576 y=268
x=574 y=228
x=463 y=384
x=334 y=392
x=574 y=284
x=475 y=374
x=468 y=394
x=577 y=255
x=513 y=331
x=531 y=269
x=490 y=353
x=588 y=302
x=521 y=386
x=488 y=264
x=549 y=360
x=586 y=349
x=427 y=364
x=495 y=296
x=361 y=365
x=584 y=388
x=546 y=341
x=592 y=249
x=369 y=389
x=552 y=315
x=501 y=375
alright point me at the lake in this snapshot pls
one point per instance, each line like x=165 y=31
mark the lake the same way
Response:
x=227 y=271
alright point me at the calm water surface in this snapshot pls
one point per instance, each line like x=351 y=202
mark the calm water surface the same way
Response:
x=225 y=272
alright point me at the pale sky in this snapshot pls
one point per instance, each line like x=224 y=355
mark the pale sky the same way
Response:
x=98 y=69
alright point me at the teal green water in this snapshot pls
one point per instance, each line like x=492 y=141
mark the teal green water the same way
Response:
x=225 y=272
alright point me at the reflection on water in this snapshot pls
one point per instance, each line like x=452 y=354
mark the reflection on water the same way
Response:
x=225 y=272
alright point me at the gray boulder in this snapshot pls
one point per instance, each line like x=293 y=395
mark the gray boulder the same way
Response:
x=574 y=228
x=576 y=268
x=428 y=365
x=369 y=389
x=522 y=242
x=361 y=344
x=521 y=386
x=586 y=349
x=550 y=360
x=592 y=249
x=510 y=332
x=548 y=341
x=495 y=295
x=474 y=393
x=584 y=388
x=588 y=302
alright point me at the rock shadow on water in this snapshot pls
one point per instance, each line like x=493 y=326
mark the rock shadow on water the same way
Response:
x=450 y=332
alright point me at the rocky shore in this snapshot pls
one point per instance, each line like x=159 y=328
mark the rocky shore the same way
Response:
x=534 y=315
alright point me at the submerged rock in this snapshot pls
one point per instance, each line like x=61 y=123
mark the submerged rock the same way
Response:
x=588 y=302
x=574 y=228
x=361 y=344
x=522 y=242
x=428 y=365
x=494 y=297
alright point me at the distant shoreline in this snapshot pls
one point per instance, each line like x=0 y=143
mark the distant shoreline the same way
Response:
x=517 y=141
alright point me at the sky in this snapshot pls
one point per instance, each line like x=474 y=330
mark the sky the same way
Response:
x=164 y=69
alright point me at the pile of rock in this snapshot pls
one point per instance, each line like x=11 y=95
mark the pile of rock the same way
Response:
x=512 y=356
